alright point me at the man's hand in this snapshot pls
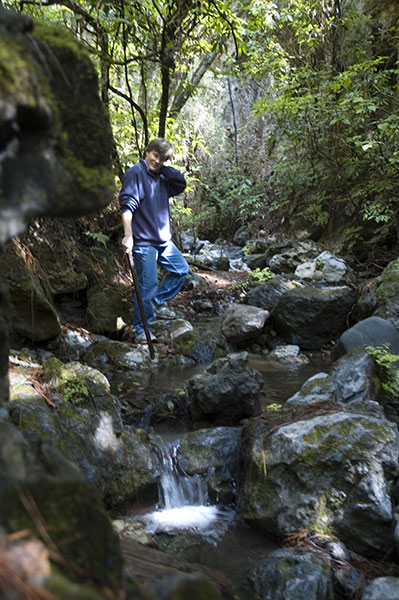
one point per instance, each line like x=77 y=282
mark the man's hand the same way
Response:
x=127 y=243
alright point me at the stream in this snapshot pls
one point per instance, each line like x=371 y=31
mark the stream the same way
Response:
x=184 y=522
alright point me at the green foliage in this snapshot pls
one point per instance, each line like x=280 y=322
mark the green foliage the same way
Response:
x=229 y=199
x=98 y=237
x=388 y=369
x=72 y=387
x=335 y=107
x=261 y=274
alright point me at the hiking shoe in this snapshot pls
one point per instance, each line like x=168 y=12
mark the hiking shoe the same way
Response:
x=163 y=312
x=141 y=337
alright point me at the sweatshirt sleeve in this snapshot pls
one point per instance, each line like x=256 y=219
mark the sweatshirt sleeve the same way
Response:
x=175 y=181
x=131 y=191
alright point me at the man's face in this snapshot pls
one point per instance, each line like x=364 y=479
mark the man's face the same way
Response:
x=154 y=160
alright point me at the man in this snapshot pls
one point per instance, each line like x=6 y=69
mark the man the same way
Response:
x=144 y=202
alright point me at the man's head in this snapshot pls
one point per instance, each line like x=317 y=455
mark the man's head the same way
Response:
x=157 y=152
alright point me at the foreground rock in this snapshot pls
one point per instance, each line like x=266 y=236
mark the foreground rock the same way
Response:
x=87 y=430
x=43 y=492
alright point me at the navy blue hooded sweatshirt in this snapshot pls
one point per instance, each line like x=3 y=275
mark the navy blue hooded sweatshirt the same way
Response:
x=147 y=194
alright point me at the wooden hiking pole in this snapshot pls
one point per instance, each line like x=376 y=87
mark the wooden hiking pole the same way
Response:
x=140 y=303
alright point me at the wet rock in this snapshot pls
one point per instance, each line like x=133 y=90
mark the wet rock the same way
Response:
x=243 y=322
x=289 y=354
x=331 y=472
x=293 y=575
x=373 y=331
x=213 y=452
x=117 y=354
x=226 y=392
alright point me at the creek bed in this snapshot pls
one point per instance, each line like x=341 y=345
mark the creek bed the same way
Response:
x=237 y=547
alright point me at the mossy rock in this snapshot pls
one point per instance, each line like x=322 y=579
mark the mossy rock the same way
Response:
x=106 y=307
x=33 y=314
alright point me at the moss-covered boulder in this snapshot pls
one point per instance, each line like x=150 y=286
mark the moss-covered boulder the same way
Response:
x=58 y=142
x=33 y=314
x=331 y=473
x=111 y=354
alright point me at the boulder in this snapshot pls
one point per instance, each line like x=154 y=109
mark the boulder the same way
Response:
x=57 y=155
x=313 y=316
x=289 y=354
x=109 y=354
x=284 y=257
x=267 y=294
x=243 y=322
x=226 y=392
x=326 y=267
x=90 y=434
x=373 y=331
x=330 y=472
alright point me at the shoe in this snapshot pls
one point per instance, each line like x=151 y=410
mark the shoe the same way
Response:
x=142 y=339
x=163 y=312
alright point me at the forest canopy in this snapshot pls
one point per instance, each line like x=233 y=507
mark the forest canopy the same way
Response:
x=315 y=144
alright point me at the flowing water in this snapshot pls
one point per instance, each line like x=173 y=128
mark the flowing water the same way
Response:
x=184 y=506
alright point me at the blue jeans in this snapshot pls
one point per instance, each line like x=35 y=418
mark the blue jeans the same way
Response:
x=146 y=259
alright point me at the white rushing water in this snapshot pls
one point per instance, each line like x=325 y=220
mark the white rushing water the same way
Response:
x=185 y=503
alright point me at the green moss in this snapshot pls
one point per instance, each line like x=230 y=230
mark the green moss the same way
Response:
x=58 y=37
x=89 y=178
x=14 y=71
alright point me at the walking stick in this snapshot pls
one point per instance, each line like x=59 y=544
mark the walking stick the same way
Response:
x=140 y=303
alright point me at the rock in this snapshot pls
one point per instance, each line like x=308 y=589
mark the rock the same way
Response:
x=325 y=267
x=68 y=506
x=289 y=354
x=267 y=294
x=242 y=235
x=117 y=354
x=330 y=473
x=91 y=435
x=57 y=155
x=216 y=454
x=373 y=331
x=226 y=392
x=284 y=257
x=387 y=292
x=243 y=322
x=313 y=316
x=105 y=308
x=293 y=575
x=256 y=261
x=318 y=389
x=382 y=588
x=33 y=314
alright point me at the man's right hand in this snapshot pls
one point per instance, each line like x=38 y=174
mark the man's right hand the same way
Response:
x=127 y=243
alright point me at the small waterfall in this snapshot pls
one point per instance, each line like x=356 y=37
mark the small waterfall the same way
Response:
x=177 y=489
x=184 y=502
